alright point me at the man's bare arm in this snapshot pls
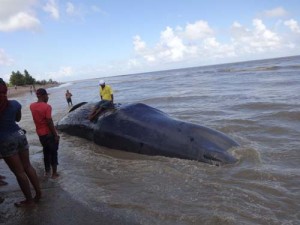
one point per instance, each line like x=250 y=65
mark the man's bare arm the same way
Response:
x=52 y=128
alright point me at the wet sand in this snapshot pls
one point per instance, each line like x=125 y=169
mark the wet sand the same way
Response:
x=55 y=207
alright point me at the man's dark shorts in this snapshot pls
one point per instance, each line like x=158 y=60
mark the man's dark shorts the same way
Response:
x=105 y=104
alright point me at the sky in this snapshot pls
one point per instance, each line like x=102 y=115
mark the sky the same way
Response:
x=82 y=39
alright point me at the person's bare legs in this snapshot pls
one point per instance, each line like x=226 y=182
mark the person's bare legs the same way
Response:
x=95 y=114
x=16 y=166
x=54 y=172
x=31 y=173
x=2 y=182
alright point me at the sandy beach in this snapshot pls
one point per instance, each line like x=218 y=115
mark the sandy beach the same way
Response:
x=21 y=90
x=55 y=207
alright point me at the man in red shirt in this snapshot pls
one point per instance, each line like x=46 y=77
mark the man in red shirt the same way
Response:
x=41 y=114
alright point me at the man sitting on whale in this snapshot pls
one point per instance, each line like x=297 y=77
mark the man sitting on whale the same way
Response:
x=107 y=100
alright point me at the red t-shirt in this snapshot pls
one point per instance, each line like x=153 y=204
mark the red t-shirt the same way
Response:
x=41 y=111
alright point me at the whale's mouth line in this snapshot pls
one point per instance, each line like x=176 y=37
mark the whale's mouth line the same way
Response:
x=211 y=158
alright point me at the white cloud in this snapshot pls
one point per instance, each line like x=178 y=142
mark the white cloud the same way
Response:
x=80 y=10
x=20 y=21
x=11 y=7
x=17 y=15
x=198 y=30
x=63 y=73
x=188 y=43
x=169 y=48
x=138 y=44
x=236 y=24
x=5 y=60
x=211 y=43
x=276 y=12
x=198 y=42
x=52 y=8
x=256 y=40
x=98 y=10
x=133 y=63
x=70 y=9
x=171 y=45
x=263 y=37
x=150 y=57
x=140 y=49
x=214 y=49
x=293 y=25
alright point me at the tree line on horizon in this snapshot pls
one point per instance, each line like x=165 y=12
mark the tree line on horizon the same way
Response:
x=19 y=79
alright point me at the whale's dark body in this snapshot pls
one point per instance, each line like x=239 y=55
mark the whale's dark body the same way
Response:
x=142 y=129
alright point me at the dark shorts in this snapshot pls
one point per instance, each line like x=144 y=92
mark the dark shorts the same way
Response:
x=105 y=104
x=69 y=100
x=13 y=144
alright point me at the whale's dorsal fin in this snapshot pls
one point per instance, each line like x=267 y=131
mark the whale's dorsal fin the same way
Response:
x=77 y=106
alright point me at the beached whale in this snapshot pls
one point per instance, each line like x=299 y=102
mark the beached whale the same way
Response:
x=143 y=129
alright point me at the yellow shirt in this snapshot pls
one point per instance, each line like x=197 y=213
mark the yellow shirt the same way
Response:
x=106 y=93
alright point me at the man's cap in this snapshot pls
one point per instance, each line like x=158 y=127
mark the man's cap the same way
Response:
x=101 y=82
x=41 y=92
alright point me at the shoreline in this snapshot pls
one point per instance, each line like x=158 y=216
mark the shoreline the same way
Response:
x=55 y=207
x=22 y=90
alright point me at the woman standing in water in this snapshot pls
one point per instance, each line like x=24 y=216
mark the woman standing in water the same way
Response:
x=14 y=148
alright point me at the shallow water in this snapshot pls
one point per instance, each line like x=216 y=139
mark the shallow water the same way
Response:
x=256 y=103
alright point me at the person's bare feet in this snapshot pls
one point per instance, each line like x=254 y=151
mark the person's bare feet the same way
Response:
x=37 y=196
x=2 y=183
x=25 y=203
x=47 y=174
x=55 y=176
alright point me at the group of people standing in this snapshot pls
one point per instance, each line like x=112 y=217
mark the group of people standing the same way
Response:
x=14 y=148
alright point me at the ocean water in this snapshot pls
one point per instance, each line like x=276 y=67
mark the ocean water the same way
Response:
x=257 y=103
